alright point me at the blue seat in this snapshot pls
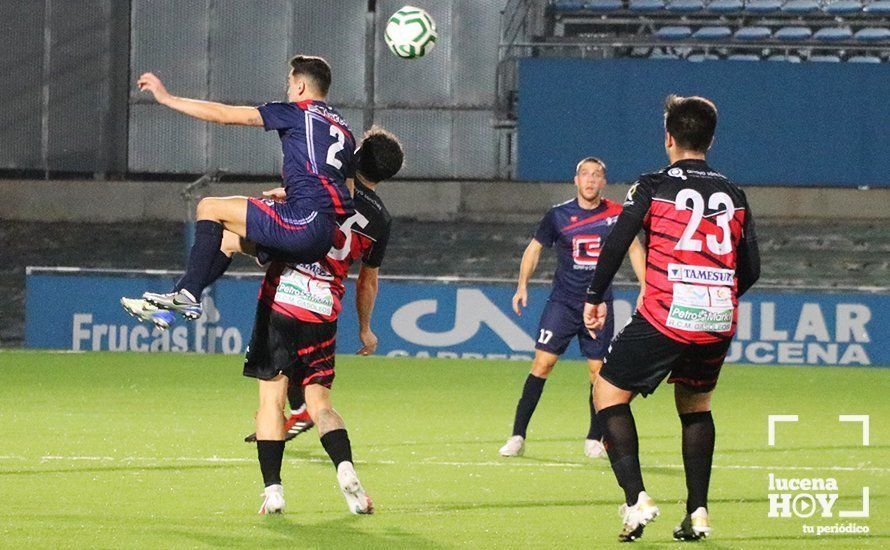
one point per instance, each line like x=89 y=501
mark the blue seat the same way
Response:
x=873 y=34
x=833 y=34
x=712 y=33
x=793 y=33
x=785 y=58
x=673 y=33
x=801 y=6
x=824 y=58
x=604 y=5
x=726 y=6
x=699 y=57
x=657 y=54
x=753 y=33
x=842 y=7
x=743 y=57
x=568 y=5
x=878 y=7
x=685 y=6
x=646 y=6
x=763 y=6
x=864 y=59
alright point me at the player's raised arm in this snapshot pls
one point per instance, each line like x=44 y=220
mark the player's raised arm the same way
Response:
x=526 y=269
x=209 y=111
x=365 y=296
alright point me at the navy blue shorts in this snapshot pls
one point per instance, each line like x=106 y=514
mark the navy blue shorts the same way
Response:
x=561 y=322
x=287 y=233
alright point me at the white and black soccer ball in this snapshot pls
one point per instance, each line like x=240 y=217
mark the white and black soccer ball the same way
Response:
x=410 y=33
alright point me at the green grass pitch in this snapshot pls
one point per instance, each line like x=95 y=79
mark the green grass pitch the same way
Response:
x=107 y=450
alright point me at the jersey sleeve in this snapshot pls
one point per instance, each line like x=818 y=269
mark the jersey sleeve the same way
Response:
x=748 y=258
x=547 y=232
x=630 y=221
x=281 y=116
x=373 y=257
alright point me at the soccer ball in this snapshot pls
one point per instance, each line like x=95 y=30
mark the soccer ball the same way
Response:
x=410 y=33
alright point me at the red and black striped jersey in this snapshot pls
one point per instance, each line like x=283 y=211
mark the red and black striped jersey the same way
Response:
x=699 y=232
x=312 y=292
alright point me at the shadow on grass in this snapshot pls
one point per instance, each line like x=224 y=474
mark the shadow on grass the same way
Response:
x=343 y=532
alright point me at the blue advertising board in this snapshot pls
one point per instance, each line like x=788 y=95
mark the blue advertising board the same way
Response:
x=436 y=319
x=774 y=119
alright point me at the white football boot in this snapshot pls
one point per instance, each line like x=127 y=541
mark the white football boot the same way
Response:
x=273 y=501
x=515 y=446
x=636 y=517
x=357 y=500
x=144 y=311
x=694 y=526
x=594 y=448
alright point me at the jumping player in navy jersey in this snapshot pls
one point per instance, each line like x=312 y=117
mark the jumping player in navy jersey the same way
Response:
x=577 y=228
x=701 y=257
x=318 y=166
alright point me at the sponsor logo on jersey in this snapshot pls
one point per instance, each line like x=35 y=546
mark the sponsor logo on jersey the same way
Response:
x=699 y=319
x=677 y=173
x=700 y=274
x=297 y=289
x=629 y=198
x=586 y=250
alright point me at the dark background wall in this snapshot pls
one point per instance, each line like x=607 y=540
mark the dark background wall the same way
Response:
x=807 y=124
x=65 y=67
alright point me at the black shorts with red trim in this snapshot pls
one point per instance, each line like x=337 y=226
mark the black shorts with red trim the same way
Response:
x=640 y=357
x=304 y=352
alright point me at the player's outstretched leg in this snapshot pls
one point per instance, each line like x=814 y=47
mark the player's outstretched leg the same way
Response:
x=207 y=260
x=270 y=442
x=698 y=452
x=144 y=311
x=593 y=445
x=297 y=421
x=620 y=434
x=531 y=393
x=335 y=440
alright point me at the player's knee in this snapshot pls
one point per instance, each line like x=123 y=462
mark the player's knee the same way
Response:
x=206 y=209
x=691 y=401
x=542 y=370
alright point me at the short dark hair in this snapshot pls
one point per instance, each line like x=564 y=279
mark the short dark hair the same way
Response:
x=589 y=159
x=380 y=156
x=316 y=68
x=691 y=121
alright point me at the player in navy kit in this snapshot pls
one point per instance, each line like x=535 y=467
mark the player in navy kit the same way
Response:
x=701 y=257
x=577 y=228
x=318 y=152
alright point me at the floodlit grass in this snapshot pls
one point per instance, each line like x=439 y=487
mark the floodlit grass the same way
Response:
x=137 y=450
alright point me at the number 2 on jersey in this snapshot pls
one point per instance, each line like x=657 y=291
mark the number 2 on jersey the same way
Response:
x=336 y=147
x=716 y=201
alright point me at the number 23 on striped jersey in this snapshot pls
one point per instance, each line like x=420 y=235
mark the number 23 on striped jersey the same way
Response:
x=715 y=202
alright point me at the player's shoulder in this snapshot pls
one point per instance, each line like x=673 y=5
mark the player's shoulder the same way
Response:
x=326 y=111
x=369 y=204
x=564 y=205
x=612 y=207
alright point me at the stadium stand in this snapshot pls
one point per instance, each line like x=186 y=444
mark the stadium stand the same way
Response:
x=786 y=30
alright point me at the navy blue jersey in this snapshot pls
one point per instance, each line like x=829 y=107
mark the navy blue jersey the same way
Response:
x=579 y=235
x=319 y=154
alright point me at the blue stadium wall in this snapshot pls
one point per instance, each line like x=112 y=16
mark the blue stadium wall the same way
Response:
x=80 y=312
x=807 y=124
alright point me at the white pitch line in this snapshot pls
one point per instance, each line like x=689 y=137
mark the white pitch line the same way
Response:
x=493 y=464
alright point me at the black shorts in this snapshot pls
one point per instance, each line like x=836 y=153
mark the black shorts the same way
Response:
x=304 y=352
x=640 y=357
